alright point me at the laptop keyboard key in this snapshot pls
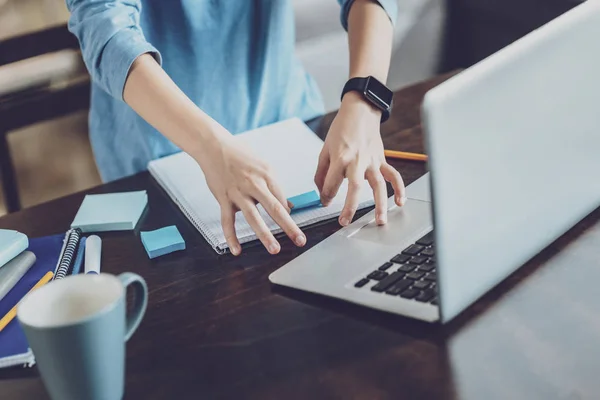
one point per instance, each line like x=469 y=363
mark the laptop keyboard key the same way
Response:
x=421 y=285
x=417 y=260
x=400 y=259
x=386 y=266
x=399 y=287
x=384 y=284
x=377 y=275
x=410 y=293
x=416 y=275
x=426 y=240
x=428 y=252
x=426 y=267
x=432 y=276
x=413 y=250
x=407 y=268
x=361 y=283
x=425 y=295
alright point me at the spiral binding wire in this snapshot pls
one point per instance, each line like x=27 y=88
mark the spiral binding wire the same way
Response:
x=72 y=241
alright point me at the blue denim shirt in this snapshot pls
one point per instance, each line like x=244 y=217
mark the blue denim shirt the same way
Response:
x=233 y=58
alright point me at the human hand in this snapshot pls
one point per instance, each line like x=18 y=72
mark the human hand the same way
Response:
x=353 y=149
x=239 y=181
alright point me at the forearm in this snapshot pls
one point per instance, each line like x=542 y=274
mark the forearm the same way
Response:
x=370 y=34
x=156 y=98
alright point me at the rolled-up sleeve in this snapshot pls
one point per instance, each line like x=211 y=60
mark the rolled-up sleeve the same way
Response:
x=110 y=38
x=390 y=7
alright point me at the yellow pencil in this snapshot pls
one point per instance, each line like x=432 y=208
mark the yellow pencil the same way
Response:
x=405 y=156
x=13 y=311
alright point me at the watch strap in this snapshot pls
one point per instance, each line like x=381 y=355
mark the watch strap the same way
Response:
x=359 y=84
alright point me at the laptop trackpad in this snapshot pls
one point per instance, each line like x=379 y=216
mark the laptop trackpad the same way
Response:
x=405 y=224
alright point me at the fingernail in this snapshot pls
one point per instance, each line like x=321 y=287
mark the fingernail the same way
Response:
x=344 y=221
x=235 y=250
x=273 y=248
x=403 y=200
x=381 y=219
x=300 y=240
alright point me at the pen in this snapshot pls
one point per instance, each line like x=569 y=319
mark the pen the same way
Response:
x=93 y=254
x=13 y=311
x=402 y=155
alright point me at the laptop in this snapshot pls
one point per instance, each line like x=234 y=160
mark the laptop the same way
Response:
x=514 y=158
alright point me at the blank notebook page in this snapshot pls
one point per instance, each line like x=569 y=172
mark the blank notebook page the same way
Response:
x=292 y=150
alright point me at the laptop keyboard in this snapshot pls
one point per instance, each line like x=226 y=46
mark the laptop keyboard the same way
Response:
x=409 y=275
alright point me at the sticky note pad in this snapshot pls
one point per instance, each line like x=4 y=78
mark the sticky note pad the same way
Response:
x=305 y=200
x=110 y=212
x=162 y=241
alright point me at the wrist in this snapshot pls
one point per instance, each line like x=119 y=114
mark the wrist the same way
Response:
x=210 y=140
x=356 y=103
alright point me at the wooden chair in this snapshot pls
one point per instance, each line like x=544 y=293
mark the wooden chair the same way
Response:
x=42 y=77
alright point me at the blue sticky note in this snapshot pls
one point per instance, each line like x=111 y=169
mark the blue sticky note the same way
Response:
x=305 y=200
x=162 y=241
x=110 y=212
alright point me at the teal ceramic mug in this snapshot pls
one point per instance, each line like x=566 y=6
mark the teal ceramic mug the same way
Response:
x=77 y=328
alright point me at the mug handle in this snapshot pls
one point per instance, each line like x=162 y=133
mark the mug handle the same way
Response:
x=140 y=300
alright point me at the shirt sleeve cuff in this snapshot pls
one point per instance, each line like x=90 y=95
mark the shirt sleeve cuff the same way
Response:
x=390 y=7
x=118 y=56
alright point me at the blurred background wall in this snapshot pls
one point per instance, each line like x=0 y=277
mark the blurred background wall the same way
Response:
x=44 y=88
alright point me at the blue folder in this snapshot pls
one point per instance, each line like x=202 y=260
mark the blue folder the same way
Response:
x=14 y=349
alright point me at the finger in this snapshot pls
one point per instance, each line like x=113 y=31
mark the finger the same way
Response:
x=278 y=193
x=355 y=180
x=228 y=224
x=322 y=168
x=377 y=183
x=393 y=176
x=258 y=226
x=333 y=180
x=281 y=216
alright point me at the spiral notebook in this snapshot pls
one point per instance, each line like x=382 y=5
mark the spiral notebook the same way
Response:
x=292 y=150
x=68 y=253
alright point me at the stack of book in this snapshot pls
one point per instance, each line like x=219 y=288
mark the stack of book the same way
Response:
x=24 y=264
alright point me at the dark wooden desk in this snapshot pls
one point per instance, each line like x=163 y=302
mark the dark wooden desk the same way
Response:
x=216 y=328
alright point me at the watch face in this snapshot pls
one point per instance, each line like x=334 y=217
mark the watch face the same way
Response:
x=379 y=94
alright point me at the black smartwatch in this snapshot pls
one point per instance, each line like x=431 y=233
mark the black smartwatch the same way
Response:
x=374 y=91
